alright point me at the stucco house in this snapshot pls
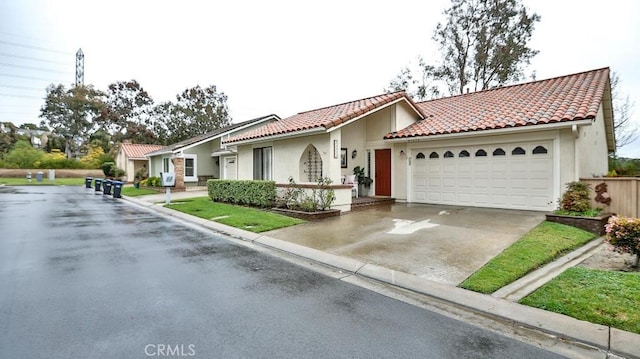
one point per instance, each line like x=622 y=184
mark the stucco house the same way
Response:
x=510 y=147
x=131 y=158
x=203 y=157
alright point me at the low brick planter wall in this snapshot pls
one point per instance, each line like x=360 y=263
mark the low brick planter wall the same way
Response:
x=308 y=216
x=594 y=225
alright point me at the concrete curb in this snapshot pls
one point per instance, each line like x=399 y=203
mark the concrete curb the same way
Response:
x=584 y=333
x=536 y=279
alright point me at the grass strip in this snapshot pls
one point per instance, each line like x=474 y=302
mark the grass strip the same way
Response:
x=603 y=297
x=133 y=192
x=544 y=243
x=250 y=219
x=22 y=181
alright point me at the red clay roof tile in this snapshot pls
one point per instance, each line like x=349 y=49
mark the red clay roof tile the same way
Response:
x=137 y=152
x=325 y=117
x=560 y=99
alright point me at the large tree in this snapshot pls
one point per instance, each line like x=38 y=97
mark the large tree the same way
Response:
x=624 y=129
x=126 y=115
x=196 y=111
x=70 y=113
x=483 y=44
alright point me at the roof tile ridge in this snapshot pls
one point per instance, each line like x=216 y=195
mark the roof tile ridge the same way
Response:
x=353 y=101
x=517 y=85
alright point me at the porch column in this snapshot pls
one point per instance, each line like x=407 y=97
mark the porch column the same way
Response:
x=333 y=169
x=178 y=167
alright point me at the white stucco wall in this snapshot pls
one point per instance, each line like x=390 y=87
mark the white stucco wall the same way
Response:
x=206 y=165
x=592 y=148
x=353 y=139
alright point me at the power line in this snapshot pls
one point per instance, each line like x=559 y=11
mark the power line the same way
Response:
x=21 y=96
x=28 y=77
x=33 y=59
x=23 y=87
x=34 y=68
x=34 y=47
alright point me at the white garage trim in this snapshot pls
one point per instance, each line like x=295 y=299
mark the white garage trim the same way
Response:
x=517 y=175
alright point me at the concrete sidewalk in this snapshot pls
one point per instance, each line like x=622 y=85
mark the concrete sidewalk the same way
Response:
x=592 y=340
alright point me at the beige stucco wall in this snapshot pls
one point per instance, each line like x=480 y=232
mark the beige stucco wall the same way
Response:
x=592 y=148
x=353 y=139
x=206 y=165
x=405 y=116
x=379 y=124
x=122 y=162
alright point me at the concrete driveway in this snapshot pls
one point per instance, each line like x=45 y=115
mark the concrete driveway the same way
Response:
x=441 y=243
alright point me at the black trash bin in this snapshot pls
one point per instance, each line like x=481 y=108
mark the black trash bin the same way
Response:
x=106 y=187
x=117 y=189
x=87 y=182
x=98 y=184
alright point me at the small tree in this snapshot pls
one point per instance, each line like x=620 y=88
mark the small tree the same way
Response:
x=623 y=234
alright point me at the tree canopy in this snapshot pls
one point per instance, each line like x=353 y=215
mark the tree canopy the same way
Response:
x=483 y=44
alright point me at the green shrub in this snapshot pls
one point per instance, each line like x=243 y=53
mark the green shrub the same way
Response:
x=576 y=198
x=107 y=168
x=245 y=192
x=118 y=172
x=151 y=182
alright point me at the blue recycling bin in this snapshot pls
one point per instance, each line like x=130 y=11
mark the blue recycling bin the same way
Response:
x=39 y=177
x=106 y=187
x=87 y=182
x=117 y=189
x=98 y=185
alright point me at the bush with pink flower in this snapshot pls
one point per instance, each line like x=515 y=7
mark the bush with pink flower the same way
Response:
x=623 y=234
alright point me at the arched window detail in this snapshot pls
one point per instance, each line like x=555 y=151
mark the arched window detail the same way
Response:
x=518 y=151
x=448 y=154
x=539 y=150
x=310 y=164
x=498 y=152
x=434 y=155
x=464 y=153
x=481 y=153
x=419 y=156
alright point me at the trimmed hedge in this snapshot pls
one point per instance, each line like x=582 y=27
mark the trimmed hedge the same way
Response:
x=245 y=192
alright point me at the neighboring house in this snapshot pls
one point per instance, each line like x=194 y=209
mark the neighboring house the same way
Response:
x=509 y=147
x=203 y=157
x=131 y=158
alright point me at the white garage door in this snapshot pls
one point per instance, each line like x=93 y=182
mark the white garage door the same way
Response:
x=518 y=176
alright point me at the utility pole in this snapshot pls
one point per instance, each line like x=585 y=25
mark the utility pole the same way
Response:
x=79 y=68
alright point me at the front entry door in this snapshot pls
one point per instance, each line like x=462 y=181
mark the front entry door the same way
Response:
x=230 y=168
x=383 y=172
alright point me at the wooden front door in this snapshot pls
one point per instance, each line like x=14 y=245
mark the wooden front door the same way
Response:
x=382 y=178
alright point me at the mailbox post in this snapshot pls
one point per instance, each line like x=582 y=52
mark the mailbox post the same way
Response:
x=168 y=180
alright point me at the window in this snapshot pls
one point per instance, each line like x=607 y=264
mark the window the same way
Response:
x=539 y=150
x=448 y=154
x=498 y=152
x=434 y=155
x=420 y=155
x=463 y=153
x=262 y=163
x=481 y=153
x=311 y=164
x=165 y=165
x=190 y=168
x=518 y=151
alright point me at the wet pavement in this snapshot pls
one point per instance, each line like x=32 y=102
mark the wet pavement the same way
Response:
x=84 y=275
x=445 y=244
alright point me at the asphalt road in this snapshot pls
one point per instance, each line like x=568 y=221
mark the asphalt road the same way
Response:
x=86 y=276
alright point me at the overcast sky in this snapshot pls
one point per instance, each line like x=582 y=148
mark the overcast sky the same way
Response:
x=279 y=57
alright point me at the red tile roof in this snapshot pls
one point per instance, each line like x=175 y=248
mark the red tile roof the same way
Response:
x=137 y=152
x=560 y=99
x=325 y=117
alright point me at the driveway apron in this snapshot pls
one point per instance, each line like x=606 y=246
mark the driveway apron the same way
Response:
x=441 y=243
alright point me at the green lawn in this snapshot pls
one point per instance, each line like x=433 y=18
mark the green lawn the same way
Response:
x=133 y=192
x=541 y=245
x=45 y=182
x=602 y=297
x=246 y=218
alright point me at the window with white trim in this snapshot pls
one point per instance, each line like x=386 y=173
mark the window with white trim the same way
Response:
x=190 y=168
x=165 y=165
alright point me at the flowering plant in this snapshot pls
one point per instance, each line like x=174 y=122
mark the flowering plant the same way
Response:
x=623 y=234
